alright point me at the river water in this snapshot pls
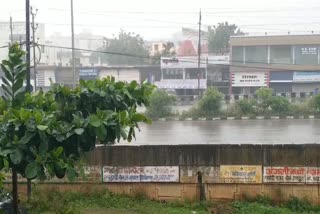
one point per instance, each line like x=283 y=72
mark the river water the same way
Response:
x=229 y=132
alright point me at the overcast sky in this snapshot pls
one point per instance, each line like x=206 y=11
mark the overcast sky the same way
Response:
x=161 y=19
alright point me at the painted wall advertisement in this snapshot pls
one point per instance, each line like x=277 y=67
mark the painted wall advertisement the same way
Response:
x=284 y=174
x=313 y=175
x=249 y=79
x=240 y=174
x=141 y=174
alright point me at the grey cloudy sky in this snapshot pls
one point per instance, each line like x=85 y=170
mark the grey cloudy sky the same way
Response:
x=161 y=19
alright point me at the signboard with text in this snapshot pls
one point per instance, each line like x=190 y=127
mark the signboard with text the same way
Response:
x=306 y=76
x=240 y=174
x=283 y=174
x=249 y=79
x=141 y=174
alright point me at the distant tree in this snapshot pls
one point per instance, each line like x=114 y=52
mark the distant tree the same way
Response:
x=168 y=51
x=219 y=37
x=126 y=49
x=210 y=103
x=160 y=104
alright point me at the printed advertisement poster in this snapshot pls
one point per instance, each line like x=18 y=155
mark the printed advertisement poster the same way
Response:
x=121 y=174
x=159 y=174
x=313 y=175
x=240 y=174
x=284 y=174
x=141 y=174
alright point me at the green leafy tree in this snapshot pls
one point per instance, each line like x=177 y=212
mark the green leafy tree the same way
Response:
x=168 y=51
x=45 y=134
x=210 y=103
x=219 y=37
x=126 y=49
x=160 y=104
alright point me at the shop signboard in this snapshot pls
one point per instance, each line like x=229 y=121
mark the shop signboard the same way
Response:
x=249 y=79
x=306 y=76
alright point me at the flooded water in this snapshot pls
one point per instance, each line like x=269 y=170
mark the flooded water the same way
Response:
x=230 y=132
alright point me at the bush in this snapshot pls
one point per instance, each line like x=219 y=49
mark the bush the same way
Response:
x=160 y=104
x=210 y=103
x=247 y=106
x=264 y=94
x=279 y=105
x=298 y=205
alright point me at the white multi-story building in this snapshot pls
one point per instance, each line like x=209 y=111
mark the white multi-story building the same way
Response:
x=62 y=56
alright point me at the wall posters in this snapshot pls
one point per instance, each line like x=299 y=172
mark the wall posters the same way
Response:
x=312 y=175
x=240 y=174
x=141 y=174
x=284 y=174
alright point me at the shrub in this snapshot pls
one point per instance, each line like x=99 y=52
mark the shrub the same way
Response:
x=279 y=105
x=247 y=106
x=264 y=94
x=160 y=104
x=210 y=103
x=298 y=205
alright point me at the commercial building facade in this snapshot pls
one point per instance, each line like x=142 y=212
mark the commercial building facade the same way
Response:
x=286 y=63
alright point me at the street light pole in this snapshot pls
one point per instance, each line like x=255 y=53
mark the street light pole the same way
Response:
x=72 y=38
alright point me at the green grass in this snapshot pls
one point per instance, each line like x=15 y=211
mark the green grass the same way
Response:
x=52 y=202
x=264 y=205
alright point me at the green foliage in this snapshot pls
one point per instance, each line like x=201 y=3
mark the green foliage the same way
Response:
x=298 y=205
x=246 y=106
x=168 y=51
x=210 y=103
x=44 y=134
x=105 y=202
x=219 y=37
x=160 y=104
x=315 y=103
x=279 y=105
x=264 y=94
x=127 y=45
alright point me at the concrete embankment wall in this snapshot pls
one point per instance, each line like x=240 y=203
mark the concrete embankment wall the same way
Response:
x=211 y=172
x=226 y=171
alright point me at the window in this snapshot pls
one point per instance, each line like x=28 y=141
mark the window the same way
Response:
x=256 y=54
x=280 y=54
x=306 y=54
x=192 y=73
x=172 y=73
x=237 y=54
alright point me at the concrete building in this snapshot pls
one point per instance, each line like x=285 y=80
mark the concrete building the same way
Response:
x=182 y=75
x=285 y=63
x=62 y=57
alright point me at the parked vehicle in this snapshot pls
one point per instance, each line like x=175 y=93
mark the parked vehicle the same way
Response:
x=6 y=205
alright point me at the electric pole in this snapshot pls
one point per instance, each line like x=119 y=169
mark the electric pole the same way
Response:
x=72 y=38
x=199 y=54
x=28 y=88
x=11 y=31
x=34 y=27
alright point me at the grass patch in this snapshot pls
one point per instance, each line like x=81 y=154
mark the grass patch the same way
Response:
x=54 y=202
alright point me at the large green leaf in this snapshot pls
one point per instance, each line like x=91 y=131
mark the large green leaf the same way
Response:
x=16 y=157
x=7 y=73
x=58 y=151
x=42 y=127
x=71 y=174
x=101 y=132
x=79 y=131
x=31 y=170
x=26 y=138
x=43 y=147
x=95 y=121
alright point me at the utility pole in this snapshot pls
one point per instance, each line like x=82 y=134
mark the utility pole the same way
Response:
x=72 y=38
x=34 y=27
x=28 y=88
x=11 y=31
x=199 y=54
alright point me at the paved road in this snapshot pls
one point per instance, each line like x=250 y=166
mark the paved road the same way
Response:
x=230 y=132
